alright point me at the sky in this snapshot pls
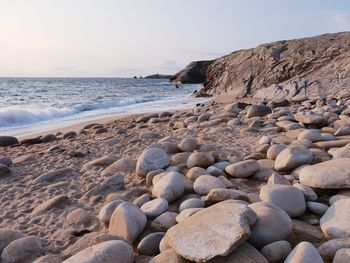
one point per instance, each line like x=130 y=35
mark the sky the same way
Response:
x=124 y=38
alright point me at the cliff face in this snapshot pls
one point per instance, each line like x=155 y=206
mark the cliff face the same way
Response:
x=194 y=73
x=315 y=66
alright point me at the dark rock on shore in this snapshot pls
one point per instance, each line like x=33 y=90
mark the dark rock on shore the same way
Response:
x=194 y=73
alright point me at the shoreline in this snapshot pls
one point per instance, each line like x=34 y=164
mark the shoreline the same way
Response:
x=77 y=124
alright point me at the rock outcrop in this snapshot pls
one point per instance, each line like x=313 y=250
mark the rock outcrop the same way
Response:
x=194 y=73
x=315 y=66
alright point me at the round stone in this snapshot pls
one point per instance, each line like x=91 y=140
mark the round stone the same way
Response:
x=149 y=245
x=188 y=145
x=155 y=207
x=151 y=159
x=192 y=203
x=290 y=199
x=205 y=183
x=200 y=159
x=277 y=251
x=273 y=224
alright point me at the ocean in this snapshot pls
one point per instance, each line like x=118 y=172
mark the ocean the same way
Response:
x=34 y=102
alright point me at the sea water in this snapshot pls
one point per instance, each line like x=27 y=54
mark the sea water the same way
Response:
x=33 y=102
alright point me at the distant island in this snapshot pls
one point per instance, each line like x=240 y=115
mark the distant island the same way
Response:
x=158 y=76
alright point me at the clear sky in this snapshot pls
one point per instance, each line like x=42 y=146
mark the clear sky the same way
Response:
x=115 y=38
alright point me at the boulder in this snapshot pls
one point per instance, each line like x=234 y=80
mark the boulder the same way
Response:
x=290 y=199
x=292 y=157
x=127 y=221
x=113 y=251
x=335 y=222
x=273 y=224
x=226 y=227
x=151 y=159
x=333 y=174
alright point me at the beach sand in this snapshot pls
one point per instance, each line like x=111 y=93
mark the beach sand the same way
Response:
x=20 y=194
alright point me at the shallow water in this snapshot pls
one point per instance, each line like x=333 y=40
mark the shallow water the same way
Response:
x=27 y=102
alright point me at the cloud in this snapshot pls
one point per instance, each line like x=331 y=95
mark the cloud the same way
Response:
x=169 y=65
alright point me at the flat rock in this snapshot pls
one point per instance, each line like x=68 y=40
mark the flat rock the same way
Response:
x=218 y=195
x=155 y=207
x=113 y=251
x=151 y=159
x=335 y=222
x=127 y=221
x=55 y=202
x=243 y=168
x=292 y=157
x=290 y=199
x=333 y=174
x=54 y=174
x=273 y=224
x=192 y=203
x=222 y=235
x=124 y=165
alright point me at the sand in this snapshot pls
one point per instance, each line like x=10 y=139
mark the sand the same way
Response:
x=20 y=194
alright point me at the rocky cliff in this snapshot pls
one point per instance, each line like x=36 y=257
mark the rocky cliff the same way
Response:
x=316 y=66
x=194 y=73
